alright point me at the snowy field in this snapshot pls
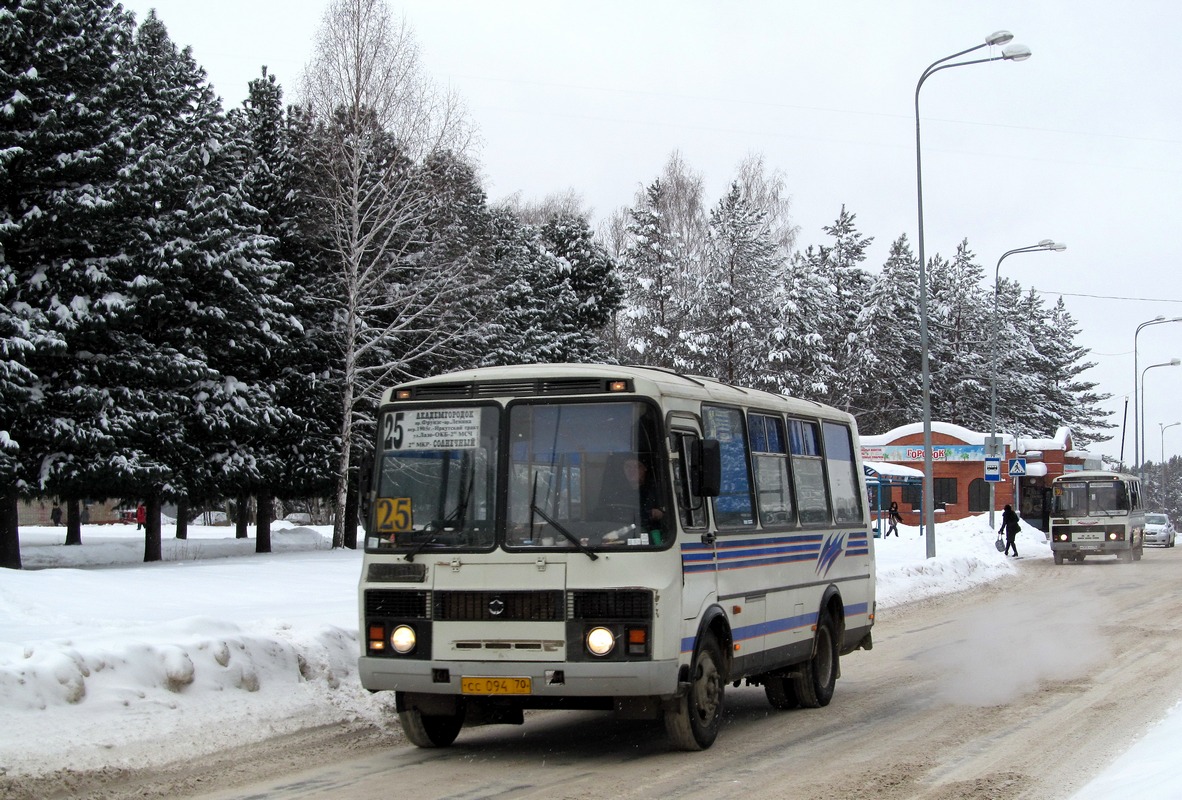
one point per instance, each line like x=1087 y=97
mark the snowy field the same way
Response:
x=106 y=661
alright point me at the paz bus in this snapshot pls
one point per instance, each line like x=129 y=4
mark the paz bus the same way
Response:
x=629 y=539
x=1097 y=513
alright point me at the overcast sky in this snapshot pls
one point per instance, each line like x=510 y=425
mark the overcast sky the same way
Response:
x=1081 y=143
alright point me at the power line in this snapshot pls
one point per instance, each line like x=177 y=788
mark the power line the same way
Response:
x=1107 y=296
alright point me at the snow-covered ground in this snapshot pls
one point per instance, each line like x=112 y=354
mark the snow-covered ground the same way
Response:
x=106 y=661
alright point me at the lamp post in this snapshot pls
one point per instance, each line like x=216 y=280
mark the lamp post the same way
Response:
x=1015 y=52
x=1045 y=244
x=1173 y=362
x=1164 y=428
x=1137 y=420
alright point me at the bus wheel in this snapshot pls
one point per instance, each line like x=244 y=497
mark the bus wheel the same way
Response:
x=818 y=676
x=781 y=692
x=693 y=724
x=1059 y=558
x=1126 y=556
x=1138 y=553
x=431 y=730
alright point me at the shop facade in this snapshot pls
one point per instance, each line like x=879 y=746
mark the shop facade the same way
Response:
x=960 y=486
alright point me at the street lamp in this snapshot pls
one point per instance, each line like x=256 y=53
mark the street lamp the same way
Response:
x=1164 y=428
x=1045 y=244
x=1015 y=52
x=1173 y=362
x=1137 y=421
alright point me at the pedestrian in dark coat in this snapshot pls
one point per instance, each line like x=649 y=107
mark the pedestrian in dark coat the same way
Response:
x=893 y=520
x=1010 y=526
x=56 y=515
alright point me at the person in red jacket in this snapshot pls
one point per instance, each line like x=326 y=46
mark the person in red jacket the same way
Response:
x=141 y=516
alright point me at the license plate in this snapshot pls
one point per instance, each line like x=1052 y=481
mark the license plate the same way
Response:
x=495 y=685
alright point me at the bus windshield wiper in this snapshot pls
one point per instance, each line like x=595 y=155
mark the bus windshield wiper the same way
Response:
x=418 y=548
x=555 y=524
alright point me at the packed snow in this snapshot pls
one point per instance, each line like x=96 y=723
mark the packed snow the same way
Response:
x=106 y=661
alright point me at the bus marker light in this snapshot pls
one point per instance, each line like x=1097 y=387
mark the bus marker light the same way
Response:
x=377 y=637
x=617 y=386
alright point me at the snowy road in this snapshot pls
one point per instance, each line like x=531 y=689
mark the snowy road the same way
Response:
x=1025 y=688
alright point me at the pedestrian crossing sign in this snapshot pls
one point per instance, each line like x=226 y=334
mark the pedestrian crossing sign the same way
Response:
x=1017 y=467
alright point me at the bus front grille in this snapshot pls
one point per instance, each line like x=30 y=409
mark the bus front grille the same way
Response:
x=492 y=606
x=617 y=604
x=395 y=604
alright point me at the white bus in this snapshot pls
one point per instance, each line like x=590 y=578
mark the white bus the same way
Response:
x=602 y=537
x=1097 y=513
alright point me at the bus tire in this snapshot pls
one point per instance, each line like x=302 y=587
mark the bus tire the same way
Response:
x=1126 y=556
x=694 y=722
x=431 y=730
x=781 y=692
x=817 y=678
x=1058 y=557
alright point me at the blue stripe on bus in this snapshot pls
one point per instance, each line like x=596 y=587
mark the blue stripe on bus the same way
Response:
x=746 y=632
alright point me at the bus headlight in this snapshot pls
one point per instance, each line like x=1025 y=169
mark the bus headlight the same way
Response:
x=403 y=639
x=600 y=641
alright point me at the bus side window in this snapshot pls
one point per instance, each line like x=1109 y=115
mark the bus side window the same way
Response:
x=808 y=472
x=733 y=507
x=844 y=481
x=769 y=459
x=692 y=509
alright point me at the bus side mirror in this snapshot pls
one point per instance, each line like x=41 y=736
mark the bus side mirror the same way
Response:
x=365 y=490
x=706 y=468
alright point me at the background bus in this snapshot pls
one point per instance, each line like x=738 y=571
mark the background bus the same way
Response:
x=1097 y=513
x=602 y=537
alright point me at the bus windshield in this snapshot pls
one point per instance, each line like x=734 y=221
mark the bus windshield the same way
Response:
x=436 y=479
x=585 y=475
x=1090 y=498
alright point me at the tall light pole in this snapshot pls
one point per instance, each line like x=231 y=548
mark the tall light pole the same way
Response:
x=1015 y=52
x=1137 y=421
x=1045 y=244
x=1173 y=362
x=1164 y=428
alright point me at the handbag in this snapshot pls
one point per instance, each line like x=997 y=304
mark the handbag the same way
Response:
x=1000 y=544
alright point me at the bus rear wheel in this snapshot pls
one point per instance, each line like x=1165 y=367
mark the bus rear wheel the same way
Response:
x=694 y=722
x=817 y=677
x=781 y=692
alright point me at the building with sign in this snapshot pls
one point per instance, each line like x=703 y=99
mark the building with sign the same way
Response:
x=962 y=474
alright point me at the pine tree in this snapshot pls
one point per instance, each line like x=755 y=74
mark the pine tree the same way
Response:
x=735 y=319
x=591 y=274
x=849 y=352
x=890 y=331
x=295 y=455
x=804 y=303
x=649 y=324
x=958 y=341
x=62 y=145
x=200 y=317
x=1080 y=407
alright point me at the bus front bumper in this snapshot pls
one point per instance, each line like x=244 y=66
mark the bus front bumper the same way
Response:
x=546 y=679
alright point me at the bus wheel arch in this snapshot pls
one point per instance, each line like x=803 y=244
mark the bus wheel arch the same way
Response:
x=693 y=720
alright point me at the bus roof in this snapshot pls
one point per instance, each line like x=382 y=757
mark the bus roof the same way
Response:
x=1094 y=475
x=580 y=379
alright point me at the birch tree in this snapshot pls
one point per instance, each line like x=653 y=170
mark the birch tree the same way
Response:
x=379 y=117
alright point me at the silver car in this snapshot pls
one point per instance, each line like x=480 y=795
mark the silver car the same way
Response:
x=1159 y=530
